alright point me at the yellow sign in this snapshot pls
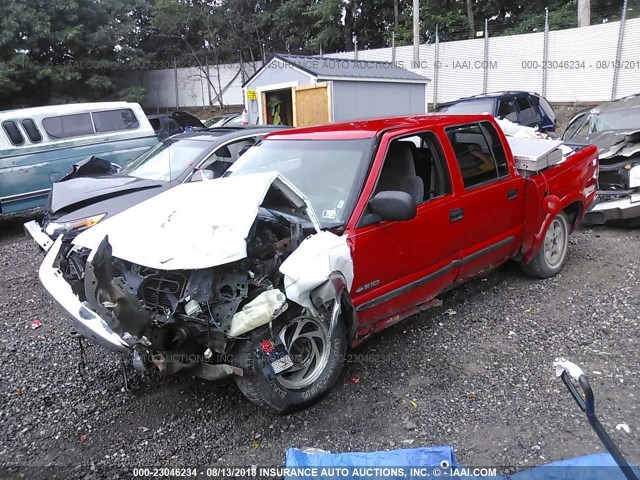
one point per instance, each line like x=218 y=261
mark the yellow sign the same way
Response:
x=251 y=95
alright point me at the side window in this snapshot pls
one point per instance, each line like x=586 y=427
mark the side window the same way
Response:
x=114 y=120
x=572 y=128
x=226 y=155
x=173 y=126
x=66 y=126
x=415 y=165
x=32 y=130
x=527 y=113
x=12 y=131
x=507 y=110
x=497 y=148
x=472 y=146
x=547 y=108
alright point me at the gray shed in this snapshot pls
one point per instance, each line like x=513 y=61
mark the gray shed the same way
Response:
x=308 y=90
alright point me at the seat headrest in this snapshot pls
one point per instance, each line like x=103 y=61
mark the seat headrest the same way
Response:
x=400 y=159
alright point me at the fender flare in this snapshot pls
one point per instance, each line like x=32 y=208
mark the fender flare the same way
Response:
x=342 y=304
x=552 y=209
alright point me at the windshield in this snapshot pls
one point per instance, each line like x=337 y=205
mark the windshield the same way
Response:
x=618 y=120
x=167 y=160
x=471 y=106
x=327 y=172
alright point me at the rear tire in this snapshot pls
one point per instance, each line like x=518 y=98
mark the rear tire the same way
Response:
x=317 y=358
x=553 y=252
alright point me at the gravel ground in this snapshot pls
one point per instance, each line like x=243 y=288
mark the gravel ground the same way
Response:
x=475 y=373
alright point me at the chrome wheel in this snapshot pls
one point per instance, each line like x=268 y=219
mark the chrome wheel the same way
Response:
x=307 y=341
x=555 y=243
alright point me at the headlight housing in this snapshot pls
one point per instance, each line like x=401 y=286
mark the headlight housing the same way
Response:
x=634 y=177
x=53 y=229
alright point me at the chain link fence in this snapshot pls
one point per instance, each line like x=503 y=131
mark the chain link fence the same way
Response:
x=589 y=64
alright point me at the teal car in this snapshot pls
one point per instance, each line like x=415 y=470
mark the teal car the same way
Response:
x=39 y=145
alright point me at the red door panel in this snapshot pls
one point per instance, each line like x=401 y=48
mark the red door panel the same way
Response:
x=399 y=265
x=493 y=225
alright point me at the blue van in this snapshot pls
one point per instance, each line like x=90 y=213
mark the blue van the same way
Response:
x=39 y=145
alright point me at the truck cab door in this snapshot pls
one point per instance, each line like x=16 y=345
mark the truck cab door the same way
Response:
x=399 y=265
x=491 y=195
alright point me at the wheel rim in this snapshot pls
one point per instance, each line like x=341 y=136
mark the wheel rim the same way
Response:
x=307 y=341
x=555 y=243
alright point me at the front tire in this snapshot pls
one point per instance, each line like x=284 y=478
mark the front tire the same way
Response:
x=317 y=360
x=553 y=253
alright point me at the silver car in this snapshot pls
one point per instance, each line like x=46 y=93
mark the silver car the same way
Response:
x=614 y=127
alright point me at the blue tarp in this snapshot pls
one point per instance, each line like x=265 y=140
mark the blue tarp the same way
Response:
x=436 y=462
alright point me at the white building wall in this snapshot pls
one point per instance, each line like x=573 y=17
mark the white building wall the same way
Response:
x=160 y=86
x=580 y=63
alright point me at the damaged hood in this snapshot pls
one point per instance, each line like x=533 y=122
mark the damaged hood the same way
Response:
x=614 y=142
x=83 y=190
x=195 y=225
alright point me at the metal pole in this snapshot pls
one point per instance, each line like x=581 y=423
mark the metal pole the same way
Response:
x=393 y=47
x=616 y=69
x=545 y=52
x=416 y=33
x=208 y=78
x=485 y=79
x=436 y=68
x=175 y=80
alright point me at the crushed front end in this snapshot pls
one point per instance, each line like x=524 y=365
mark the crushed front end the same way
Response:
x=173 y=319
x=619 y=183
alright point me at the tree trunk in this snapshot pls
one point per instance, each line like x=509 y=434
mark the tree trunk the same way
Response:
x=348 y=28
x=395 y=17
x=472 y=29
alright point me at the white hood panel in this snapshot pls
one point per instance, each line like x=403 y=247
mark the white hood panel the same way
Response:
x=192 y=226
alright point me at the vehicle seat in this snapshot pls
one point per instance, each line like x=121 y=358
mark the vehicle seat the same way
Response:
x=399 y=172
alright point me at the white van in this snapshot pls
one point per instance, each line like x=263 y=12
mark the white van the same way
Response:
x=39 y=145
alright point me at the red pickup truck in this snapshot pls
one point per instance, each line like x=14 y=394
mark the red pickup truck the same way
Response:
x=314 y=239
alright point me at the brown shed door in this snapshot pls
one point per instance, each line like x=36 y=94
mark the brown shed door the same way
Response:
x=311 y=105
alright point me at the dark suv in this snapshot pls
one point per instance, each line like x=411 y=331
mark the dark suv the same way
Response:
x=524 y=108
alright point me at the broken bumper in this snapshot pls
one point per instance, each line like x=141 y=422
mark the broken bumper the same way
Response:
x=83 y=319
x=35 y=231
x=621 y=209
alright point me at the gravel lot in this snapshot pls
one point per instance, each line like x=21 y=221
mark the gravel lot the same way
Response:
x=475 y=373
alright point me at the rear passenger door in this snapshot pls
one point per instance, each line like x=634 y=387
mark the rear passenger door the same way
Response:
x=492 y=198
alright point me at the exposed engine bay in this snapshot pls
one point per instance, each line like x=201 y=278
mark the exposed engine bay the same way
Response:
x=187 y=314
x=619 y=179
x=618 y=172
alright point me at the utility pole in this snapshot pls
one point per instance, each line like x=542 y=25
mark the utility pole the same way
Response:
x=416 y=33
x=175 y=81
x=584 y=13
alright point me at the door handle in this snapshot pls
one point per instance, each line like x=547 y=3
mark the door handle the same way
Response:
x=455 y=215
x=513 y=193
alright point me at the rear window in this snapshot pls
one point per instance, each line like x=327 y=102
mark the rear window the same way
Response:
x=32 y=130
x=11 y=129
x=66 y=126
x=114 y=120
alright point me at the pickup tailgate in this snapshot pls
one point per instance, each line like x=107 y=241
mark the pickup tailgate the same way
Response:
x=569 y=185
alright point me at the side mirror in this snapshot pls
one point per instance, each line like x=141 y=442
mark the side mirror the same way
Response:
x=200 y=175
x=393 y=205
